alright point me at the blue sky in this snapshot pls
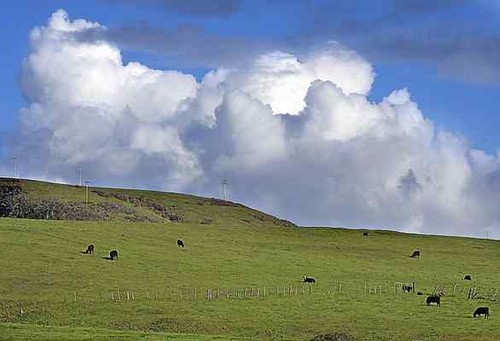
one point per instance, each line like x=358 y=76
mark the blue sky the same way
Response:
x=276 y=96
x=450 y=99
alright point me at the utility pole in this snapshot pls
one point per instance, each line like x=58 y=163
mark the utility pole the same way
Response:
x=87 y=191
x=80 y=177
x=15 y=167
x=224 y=184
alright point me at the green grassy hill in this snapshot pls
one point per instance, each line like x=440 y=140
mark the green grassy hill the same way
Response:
x=250 y=263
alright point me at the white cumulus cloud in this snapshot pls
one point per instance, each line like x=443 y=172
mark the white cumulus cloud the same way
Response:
x=297 y=137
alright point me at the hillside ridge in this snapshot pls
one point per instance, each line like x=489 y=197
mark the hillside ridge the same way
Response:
x=34 y=199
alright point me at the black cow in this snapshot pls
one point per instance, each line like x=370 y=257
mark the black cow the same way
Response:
x=415 y=254
x=365 y=234
x=420 y=293
x=482 y=311
x=433 y=299
x=467 y=278
x=113 y=255
x=407 y=287
x=90 y=249
x=180 y=243
x=309 y=280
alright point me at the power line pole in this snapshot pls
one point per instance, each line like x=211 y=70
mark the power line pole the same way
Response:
x=87 y=191
x=80 y=177
x=15 y=167
x=224 y=184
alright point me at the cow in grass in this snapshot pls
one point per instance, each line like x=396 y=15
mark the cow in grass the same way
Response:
x=467 y=278
x=180 y=243
x=309 y=280
x=113 y=255
x=365 y=234
x=90 y=249
x=415 y=254
x=482 y=311
x=407 y=287
x=433 y=299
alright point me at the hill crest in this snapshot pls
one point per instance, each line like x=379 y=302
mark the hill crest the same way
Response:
x=33 y=199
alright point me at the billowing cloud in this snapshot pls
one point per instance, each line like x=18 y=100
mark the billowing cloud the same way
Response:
x=281 y=80
x=89 y=109
x=297 y=137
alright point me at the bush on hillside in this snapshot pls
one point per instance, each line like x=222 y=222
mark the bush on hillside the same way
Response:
x=8 y=192
x=153 y=205
x=15 y=204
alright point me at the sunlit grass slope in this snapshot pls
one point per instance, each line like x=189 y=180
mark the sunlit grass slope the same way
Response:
x=50 y=290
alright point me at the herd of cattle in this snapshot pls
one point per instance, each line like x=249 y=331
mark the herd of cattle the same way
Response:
x=113 y=254
x=434 y=298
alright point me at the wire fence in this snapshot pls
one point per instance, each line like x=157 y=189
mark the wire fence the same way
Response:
x=468 y=292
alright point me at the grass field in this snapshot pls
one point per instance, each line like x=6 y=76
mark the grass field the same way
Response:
x=49 y=290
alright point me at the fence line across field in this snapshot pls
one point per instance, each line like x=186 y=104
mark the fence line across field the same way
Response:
x=289 y=290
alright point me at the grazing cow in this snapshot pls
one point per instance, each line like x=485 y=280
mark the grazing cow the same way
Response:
x=482 y=311
x=113 y=255
x=180 y=243
x=365 y=234
x=90 y=249
x=433 y=299
x=415 y=254
x=309 y=280
x=407 y=287
x=467 y=278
